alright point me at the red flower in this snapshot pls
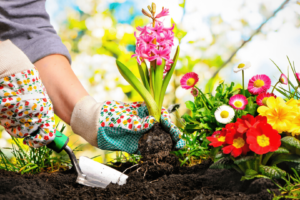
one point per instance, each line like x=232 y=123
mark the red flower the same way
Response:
x=121 y=106
x=28 y=71
x=50 y=134
x=134 y=102
x=24 y=142
x=42 y=108
x=263 y=139
x=16 y=110
x=26 y=134
x=26 y=103
x=20 y=114
x=119 y=121
x=40 y=120
x=130 y=126
x=146 y=125
x=122 y=117
x=105 y=110
x=1 y=87
x=18 y=104
x=47 y=124
x=19 y=129
x=44 y=99
x=46 y=138
x=128 y=110
x=4 y=109
x=131 y=115
x=218 y=138
x=138 y=105
x=10 y=85
x=111 y=125
x=4 y=100
x=10 y=99
x=129 y=120
x=108 y=102
x=261 y=99
x=236 y=144
x=13 y=75
x=139 y=126
x=112 y=110
x=33 y=80
x=248 y=121
x=11 y=106
x=102 y=124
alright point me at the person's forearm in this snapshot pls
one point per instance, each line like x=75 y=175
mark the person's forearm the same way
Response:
x=62 y=85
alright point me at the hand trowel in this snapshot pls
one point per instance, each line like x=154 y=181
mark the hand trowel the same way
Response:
x=89 y=172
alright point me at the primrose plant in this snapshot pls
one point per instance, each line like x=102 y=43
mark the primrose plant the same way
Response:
x=154 y=44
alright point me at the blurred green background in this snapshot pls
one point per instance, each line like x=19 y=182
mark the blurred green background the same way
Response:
x=214 y=36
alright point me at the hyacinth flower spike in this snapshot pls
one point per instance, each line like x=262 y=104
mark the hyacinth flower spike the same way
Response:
x=153 y=44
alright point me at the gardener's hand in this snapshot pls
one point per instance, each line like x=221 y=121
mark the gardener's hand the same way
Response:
x=114 y=125
x=25 y=108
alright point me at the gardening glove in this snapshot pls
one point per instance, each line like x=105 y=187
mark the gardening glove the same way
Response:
x=25 y=108
x=118 y=126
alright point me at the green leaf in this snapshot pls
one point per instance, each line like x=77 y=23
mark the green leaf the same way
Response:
x=144 y=73
x=224 y=163
x=252 y=177
x=190 y=105
x=244 y=159
x=292 y=144
x=168 y=77
x=251 y=106
x=158 y=78
x=296 y=166
x=188 y=118
x=285 y=157
x=272 y=172
x=282 y=150
x=137 y=85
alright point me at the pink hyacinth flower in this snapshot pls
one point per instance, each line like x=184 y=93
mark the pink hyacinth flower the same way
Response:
x=261 y=99
x=298 y=76
x=189 y=80
x=283 y=79
x=259 y=84
x=163 y=13
x=144 y=30
x=160 y=54
x=157 y=30
x=194 y=92
x=238 y=102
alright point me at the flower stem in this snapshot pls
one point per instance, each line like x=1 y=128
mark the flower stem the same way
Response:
x=243 y=80
x=295 y=91
x=267 y=157
x=275 y=86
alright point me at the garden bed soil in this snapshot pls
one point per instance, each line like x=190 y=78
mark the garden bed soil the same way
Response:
x=190 y=183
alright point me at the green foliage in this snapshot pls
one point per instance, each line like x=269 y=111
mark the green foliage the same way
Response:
x=291 y=189
x=223 y=163
x=272 y=172
x=251 y=174
x=292 y=144
x=33 y=160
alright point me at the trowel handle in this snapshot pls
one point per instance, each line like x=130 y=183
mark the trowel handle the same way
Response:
x=59 y=143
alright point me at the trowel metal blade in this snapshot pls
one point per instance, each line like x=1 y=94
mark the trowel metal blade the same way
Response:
x=100 y=174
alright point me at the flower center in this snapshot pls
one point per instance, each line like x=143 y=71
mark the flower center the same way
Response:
x=242 y=65
x=238 y=104
x=224 y=114
x=264 y=101
x=263 y=140
x=282 y=80
x=259 y=83
x=190 y=82
x=221 y=139
x=238 y=142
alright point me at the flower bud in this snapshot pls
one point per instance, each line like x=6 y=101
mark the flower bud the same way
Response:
x=298 y=76
x=149 y=8
x=146 y=13
x=283 y=79
x=153 y=8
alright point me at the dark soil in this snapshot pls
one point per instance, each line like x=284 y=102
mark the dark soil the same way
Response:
x=195 y=183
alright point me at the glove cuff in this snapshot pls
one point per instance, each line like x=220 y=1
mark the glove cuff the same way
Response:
x=12 y=59
x=85 y=118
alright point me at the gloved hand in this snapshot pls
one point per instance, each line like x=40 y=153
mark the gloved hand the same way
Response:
x=118 y=125
x=25 y=108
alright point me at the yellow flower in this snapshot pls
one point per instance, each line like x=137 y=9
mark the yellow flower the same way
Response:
x=29 y=88
x=34 y=87
x=31 y=127
x=105 y=106
x=107 y=119
x=6 y=124
x=20 y=107
x=50 y=108
x=46 y=130
x=32 y=73
x=119 y=113
x=26 y=112
x=22 y=120
x=34 y=106
x=25 y=82
x=9 y=113
x=6 y=94
x=117 y=103
x=13 y=93
x=26 y=124
x=7 y=104
x=19 y=82
x=19 y=99
x=279 y=115
x=135 y=122
x=134 y=112
x=6 y=78
x=125 y=122
x=151 y=121
x=29 y=120
x=40 y=115
x=295 y=104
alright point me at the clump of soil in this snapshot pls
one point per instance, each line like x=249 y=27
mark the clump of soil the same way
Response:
x=188 y=183
x=155 y=147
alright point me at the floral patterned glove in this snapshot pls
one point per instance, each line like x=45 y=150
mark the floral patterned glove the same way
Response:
x=26 y=110
x=122 y=125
